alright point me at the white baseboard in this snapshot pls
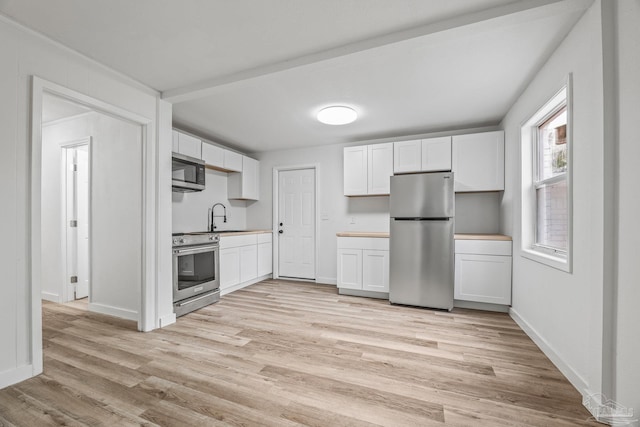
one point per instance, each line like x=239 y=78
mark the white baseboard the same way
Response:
x=14 y=376
x=50 y=296
x=574 y=378
x=244 y=284
x=167 y=320
x=481 y=306
x=327 y=280
x=122 y=313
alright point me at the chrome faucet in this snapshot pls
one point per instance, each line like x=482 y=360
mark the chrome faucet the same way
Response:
x=212 y=226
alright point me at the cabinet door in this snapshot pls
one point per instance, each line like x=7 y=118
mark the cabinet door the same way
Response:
x=379 y=168
x=478 y=161
x=250 y=178
x=436 y=154
x=175 y=139
x=189 y=146
x=350 y=268
x=248 y=263
x=483 y=278
x=375 y=270
x=229 y=267
x=407 y=156
x=355 y=171
x=213 y=155
x=265 y=264
x=232 y=161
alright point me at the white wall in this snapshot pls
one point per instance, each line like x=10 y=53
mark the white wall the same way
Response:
x=190 y=209
x=24 y=54
x=627 y=375
x=337 y=211
x=563 y=311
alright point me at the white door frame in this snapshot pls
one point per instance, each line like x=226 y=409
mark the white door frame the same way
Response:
x=276 y=191
x=64 y=193
x=147 y=310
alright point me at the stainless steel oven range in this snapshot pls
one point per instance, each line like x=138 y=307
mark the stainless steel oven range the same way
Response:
x=196 y=281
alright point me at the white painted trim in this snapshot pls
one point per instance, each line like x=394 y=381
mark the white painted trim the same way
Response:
x=114 y=311
x=17 y=375
x=50 y=296
x=574 y=378
x=327 y=280
x=147 y=318
x=167 y=320
x=239 y=286
x=276 y=206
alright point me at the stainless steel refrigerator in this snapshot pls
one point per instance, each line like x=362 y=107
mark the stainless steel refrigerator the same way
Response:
x=421 y=245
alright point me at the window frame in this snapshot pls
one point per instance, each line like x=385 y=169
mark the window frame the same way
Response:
x=530 y=182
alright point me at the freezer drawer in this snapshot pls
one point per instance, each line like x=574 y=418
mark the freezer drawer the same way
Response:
x=422 y=263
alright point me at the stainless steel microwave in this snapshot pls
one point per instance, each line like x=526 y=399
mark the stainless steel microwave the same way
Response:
x=187 y=173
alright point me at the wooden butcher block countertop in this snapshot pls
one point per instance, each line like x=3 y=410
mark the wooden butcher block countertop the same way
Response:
x=464 y=236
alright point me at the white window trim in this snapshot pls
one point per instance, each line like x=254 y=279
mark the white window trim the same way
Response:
x=559 y=259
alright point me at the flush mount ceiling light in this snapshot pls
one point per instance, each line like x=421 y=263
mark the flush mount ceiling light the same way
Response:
x=337 y=115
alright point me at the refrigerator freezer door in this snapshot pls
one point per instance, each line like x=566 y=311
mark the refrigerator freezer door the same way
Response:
x=421 y=263
x=423 y=195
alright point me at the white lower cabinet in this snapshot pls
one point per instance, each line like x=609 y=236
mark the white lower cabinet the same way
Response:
x=363 y=265
x=243 y=259
x=483 y=271
x=248 y=263
x=229 y=268
x=375 y=270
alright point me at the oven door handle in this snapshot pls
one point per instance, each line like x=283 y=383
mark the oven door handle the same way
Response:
x=197 y=250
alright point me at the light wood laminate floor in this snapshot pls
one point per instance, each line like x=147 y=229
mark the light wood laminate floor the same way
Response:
x=288 y=353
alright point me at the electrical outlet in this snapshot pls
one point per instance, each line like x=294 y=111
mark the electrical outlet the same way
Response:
x=353 y=220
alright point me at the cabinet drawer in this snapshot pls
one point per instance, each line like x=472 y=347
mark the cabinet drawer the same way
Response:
x=484 y=247
x=236 y=241
x=373 y=243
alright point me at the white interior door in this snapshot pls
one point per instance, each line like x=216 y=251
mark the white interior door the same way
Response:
x=296 y=231
x=82 y=214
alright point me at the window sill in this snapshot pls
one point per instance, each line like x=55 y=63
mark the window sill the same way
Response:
x=558 y=262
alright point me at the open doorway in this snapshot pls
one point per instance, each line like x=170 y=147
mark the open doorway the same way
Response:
x=92 y=208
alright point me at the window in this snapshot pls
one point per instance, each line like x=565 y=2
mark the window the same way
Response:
x=546 y=182
x=551 y=183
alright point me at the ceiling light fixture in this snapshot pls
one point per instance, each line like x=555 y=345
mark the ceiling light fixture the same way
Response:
x=337 y=115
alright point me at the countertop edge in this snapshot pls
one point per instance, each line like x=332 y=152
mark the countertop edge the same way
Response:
x=458 y=236
x=242 y=233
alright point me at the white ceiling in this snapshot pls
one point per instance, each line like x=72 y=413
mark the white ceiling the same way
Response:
x=253 y=73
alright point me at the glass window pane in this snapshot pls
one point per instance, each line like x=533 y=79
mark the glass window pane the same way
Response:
x=553 y=215
x=552 y=146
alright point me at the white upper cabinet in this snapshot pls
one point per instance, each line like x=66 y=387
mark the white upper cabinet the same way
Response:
x=478 y=162
x=367 y=169
x=422 y=155
x=213 y=155
x=232 y=161
x=407 y=156
x=245 y=185
x=355 y=171
x=436 y=154
x=379 y=168
x=186 y=144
